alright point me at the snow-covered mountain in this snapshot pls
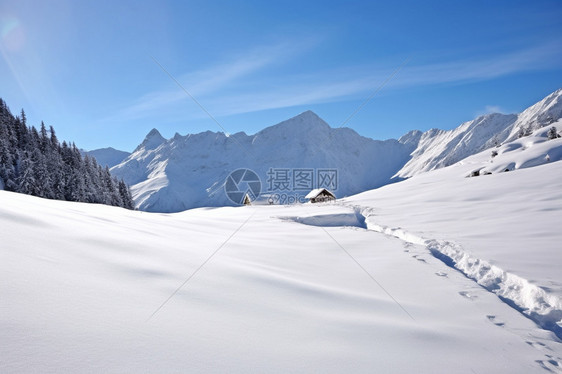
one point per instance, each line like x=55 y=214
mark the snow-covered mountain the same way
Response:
x=190 y=171
x=439 y=148
x=107 y=156
x=471 y=283
x=170 y=175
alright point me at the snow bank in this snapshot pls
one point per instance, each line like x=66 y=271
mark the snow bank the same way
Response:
x=79 y=282
x=525 y=152
x=498 y=229
x=540 y=306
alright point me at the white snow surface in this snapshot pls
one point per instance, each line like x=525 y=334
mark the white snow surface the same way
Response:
x=79 y=284
x=453 y=270
x=499 y=228
x=372 y=283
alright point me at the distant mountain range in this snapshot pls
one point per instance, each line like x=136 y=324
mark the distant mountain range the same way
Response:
x=107 y=156
x=439 y=148
x=304 y=152
x=290 y=158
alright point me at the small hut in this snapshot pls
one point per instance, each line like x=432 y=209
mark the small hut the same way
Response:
x=320 y=195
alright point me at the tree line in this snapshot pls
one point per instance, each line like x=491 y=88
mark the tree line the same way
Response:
x=33 y=162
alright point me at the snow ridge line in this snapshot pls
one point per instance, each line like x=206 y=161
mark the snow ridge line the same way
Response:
x=534 y=302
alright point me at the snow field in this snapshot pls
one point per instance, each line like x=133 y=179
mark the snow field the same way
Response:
x=79 y=283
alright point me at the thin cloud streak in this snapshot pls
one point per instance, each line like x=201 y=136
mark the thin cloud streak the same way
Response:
x=537 y=58
x=205 y=82
x=489 y=109
x=217 y=88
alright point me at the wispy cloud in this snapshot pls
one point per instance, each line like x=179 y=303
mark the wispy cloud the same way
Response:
x=222 y=88
x=476 y=69
x=488 y=109
x=206 y=82
x=323 y=87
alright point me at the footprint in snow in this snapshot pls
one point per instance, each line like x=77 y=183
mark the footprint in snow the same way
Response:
x=537 y=345
x=550 y=365
x=441 y=274
x=495 y=321
x=419 y=259
x=407 y=247
x=468 y=295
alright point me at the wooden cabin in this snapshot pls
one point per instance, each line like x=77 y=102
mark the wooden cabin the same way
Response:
x=320 y=195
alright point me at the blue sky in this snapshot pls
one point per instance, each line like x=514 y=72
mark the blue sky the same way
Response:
x=87 y=68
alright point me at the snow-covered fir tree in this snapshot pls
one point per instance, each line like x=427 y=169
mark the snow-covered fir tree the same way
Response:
x=35 y=163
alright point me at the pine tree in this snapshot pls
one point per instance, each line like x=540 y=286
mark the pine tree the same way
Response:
x=54 y=140
x=125 y=193
x=44 y=138
x=6 y=164
x=23 y=118
x=32 y=162
x=552 y=134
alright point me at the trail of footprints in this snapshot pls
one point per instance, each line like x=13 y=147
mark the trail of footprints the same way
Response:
x=468 y=295
x=550 y=363
x=417 y=256
x=495 y=320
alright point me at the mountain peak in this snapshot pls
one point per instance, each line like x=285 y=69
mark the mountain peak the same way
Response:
x=152 y=140
x=154 y=133
x=303 y=123
x=308 y=115
x=108 y=156
x=411 y=138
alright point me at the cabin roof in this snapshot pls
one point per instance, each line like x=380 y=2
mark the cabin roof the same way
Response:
x=316 y=192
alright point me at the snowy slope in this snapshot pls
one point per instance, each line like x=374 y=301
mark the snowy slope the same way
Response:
x=91 y=288
x=440 y=148
x=190 y=171
x=107 y=156
x=539 y=115
x=499 y=228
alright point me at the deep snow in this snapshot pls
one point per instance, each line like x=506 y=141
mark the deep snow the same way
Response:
x=453 y=270
x=499 y=228
x=305 y=288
